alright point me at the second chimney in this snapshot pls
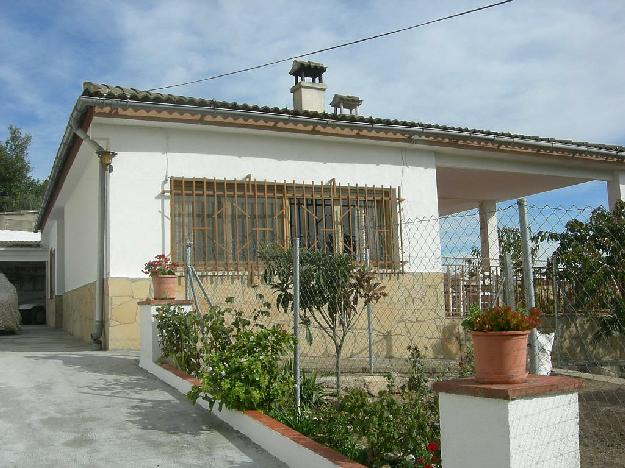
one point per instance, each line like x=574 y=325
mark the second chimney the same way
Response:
x=308 y=95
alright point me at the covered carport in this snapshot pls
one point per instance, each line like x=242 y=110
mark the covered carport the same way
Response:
x=481 y=179
x=23 y=261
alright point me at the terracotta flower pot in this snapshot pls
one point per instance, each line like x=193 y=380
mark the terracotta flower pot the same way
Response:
x=500 y=357
x=164 y=286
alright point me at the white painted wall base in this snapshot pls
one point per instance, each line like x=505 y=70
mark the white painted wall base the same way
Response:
x=281 y=447
x=494 y=433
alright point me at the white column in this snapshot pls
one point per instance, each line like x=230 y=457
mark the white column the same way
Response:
x=527 y=425
x=489 y=237
x=526 y=433
x=616 y=189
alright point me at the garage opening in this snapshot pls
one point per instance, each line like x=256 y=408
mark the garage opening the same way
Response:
x=29 y=278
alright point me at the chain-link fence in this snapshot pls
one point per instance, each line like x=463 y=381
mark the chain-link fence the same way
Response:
x=441 y=268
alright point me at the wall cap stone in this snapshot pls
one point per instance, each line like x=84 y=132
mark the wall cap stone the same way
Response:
x=165 y=301
x=536 y=385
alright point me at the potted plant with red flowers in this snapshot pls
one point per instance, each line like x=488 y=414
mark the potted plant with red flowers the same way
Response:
x=500 y=343
x=163 y=273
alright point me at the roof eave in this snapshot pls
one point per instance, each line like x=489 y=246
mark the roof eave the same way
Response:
x=416 y=133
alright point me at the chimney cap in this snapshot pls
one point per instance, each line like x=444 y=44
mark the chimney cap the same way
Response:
x=301 y=69
x=340 y=102
x=347 y=101
x=307 y=68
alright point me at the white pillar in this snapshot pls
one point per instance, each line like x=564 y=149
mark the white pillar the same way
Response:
x=489 y=236
x=530 y=425
x=616 y=189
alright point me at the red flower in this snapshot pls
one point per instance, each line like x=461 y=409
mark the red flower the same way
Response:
x=432 y=447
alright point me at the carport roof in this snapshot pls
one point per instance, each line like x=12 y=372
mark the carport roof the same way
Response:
x=19 y=238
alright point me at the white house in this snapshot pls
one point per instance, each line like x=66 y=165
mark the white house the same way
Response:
x=137 y=173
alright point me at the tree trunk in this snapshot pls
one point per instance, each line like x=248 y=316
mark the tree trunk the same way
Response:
x=337 y=368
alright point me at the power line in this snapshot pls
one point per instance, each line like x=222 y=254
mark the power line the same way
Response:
x=334 y=47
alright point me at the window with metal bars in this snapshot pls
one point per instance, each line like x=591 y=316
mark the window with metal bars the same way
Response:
x=228 y=221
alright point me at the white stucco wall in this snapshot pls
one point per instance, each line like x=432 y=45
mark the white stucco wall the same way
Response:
x=80 y=221
x=148 y=156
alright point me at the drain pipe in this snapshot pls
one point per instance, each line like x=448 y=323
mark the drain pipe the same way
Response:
x=105 y=168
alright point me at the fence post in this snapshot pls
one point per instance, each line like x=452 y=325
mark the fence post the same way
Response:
x=369 y=319
x=296 y=297
x=555 y=293
x=508 y=281
x=187 y=265
x=528 y=279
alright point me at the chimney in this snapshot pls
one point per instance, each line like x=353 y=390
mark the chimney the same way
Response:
x=308 y=95
x=341 y=102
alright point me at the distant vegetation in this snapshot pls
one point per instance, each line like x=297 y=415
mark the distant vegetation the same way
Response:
x=18 y=189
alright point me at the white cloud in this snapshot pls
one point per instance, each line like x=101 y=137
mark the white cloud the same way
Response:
x=544 y=68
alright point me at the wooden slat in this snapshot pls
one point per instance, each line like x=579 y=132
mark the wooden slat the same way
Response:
x=225 y=229
x=172 y=220
x=314 y=215
x=304 y=228
x=184 y=230
x=215 y=223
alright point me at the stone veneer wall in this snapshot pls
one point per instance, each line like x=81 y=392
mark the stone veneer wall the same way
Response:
x=413 y=313
x=58 y=311
x=121 y=311
x=78 y=307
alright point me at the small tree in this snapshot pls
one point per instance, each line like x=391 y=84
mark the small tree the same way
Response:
x=334 y=291
x=591 y=256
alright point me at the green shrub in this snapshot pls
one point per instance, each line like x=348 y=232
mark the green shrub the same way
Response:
x=179 y=335
x=238 y=360
x=396 y=430
x=247 y=373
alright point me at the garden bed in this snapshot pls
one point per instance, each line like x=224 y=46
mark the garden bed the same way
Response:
x=286 y=444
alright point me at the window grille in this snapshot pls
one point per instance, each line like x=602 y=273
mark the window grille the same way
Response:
x=228 y=221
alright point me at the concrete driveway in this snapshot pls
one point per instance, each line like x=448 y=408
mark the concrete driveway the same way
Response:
x=62 y=405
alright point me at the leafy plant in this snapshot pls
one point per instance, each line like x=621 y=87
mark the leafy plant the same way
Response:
x=500 y=319
x=180 y=333
x=246 y=373
x=237 y=359
x=334 y=291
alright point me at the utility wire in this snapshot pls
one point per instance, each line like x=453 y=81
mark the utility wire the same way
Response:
x=334 y=47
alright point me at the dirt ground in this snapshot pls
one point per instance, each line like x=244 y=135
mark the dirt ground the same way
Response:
x=602 y=424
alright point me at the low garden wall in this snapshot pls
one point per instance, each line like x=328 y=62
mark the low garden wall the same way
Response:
x=284 y=443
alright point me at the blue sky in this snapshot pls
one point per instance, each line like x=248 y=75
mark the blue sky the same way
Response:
x=543 y=68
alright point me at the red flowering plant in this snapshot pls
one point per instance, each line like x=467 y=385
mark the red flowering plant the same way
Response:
x=501 y=319
x=431 y=458
x=161 y=265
